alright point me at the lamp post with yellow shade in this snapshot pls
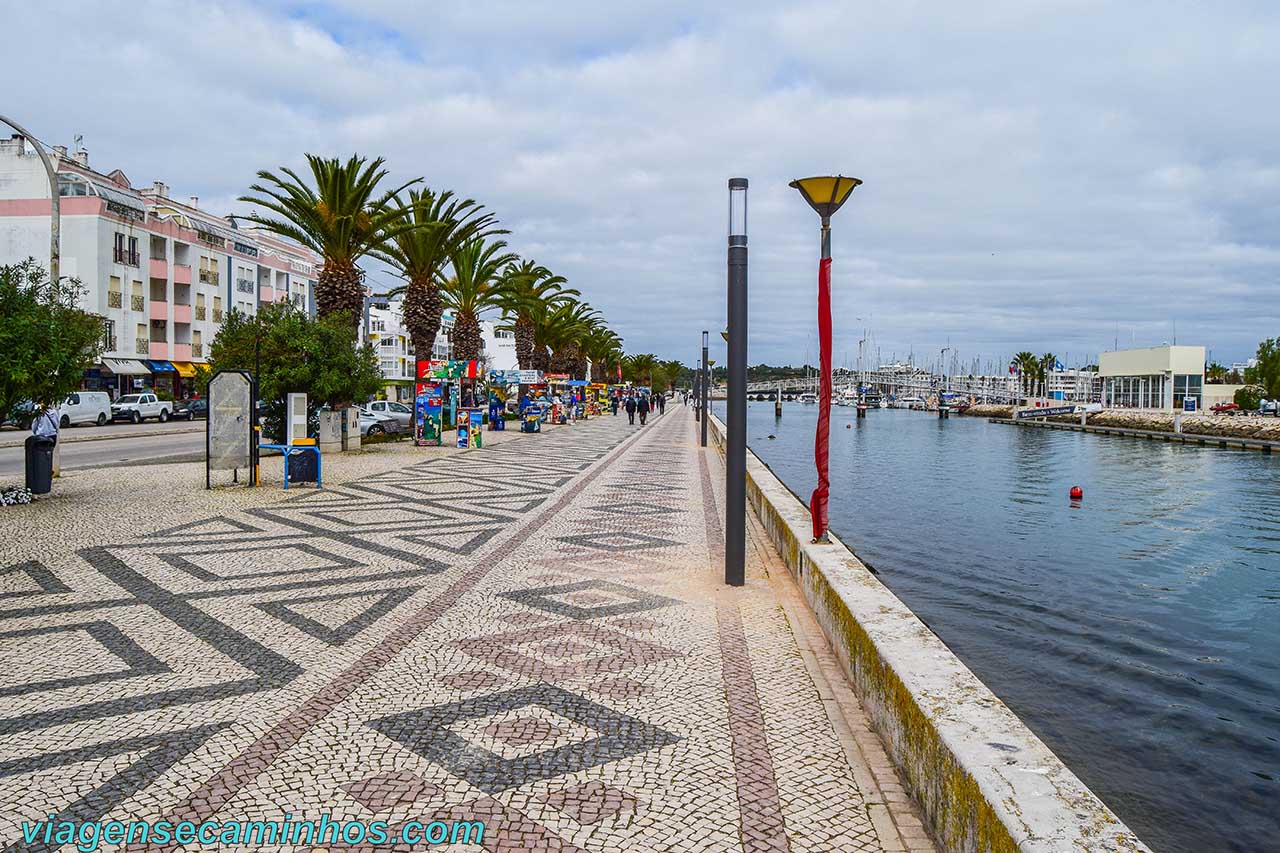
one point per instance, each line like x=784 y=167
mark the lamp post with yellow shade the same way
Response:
x=825 y=194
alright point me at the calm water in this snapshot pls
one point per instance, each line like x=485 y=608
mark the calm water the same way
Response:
x=1138 y=634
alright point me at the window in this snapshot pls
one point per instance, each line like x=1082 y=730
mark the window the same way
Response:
x=399 y=407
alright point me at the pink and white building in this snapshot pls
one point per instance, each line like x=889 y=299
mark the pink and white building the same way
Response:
x=162 y=273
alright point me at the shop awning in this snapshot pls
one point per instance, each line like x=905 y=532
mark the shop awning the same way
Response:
x=185 y=368
x=161 y=367
x=125 y=366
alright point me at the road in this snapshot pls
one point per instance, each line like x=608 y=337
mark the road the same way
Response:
x=98 y=447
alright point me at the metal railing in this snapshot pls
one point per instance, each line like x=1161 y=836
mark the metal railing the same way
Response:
x=114 y=299
x=209 y=276
x=137 y=303
x=142 y=347
x=244 y=285
x=217 y=315
x=199 y=312
x=109 y=343
x=197 y=350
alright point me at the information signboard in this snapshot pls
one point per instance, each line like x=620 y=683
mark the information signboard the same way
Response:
x=1045 y=412
x=428 y=413
x=229 y=435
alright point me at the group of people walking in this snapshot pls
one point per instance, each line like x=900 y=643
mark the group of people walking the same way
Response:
x=638 y=404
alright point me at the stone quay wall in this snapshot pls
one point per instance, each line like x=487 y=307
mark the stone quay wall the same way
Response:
x=1197 y=423
x=985 y=782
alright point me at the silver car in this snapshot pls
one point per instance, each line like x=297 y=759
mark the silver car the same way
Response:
x=376 y=423
x=402 y=413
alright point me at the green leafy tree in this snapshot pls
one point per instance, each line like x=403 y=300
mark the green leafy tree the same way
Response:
x=46 y=340
x=342 y=218
x=1214 y=372
x=297 y=354
x=442 y=225
x=1028 y=370
x=1267 y=373
x=1248 y=398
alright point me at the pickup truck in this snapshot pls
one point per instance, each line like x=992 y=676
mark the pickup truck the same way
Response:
x=136 y=408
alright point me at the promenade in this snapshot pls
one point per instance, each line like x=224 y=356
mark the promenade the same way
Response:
x=534 y=635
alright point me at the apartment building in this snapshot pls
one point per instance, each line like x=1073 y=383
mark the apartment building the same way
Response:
x=162 y=273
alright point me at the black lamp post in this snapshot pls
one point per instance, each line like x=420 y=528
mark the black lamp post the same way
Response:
x=735 y=462
x=706 y=380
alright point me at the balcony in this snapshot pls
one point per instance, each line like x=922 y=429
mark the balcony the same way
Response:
x=137 y=303
x=209 y=276
x=182 y=313
x=158 y=350
x=244 y=285
x=124 y=256
x=182 y=273
x=115 y=299
x=199 y=312
x=159 y=268
x=267 y=294
x=182 y=352
x=217 y=315
x=142 y=347
x=159 y=310
x=108 y=343
x=197 y=350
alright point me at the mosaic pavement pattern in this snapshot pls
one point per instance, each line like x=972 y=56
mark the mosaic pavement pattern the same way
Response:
x=532 y=635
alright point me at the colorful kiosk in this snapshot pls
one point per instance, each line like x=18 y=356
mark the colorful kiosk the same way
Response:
x=454 y=386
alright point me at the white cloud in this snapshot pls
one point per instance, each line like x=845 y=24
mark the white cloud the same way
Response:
x=1036 y=174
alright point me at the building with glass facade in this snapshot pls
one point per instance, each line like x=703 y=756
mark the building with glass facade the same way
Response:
x=1152 y=377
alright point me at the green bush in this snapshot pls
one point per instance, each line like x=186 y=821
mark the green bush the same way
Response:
x=46 y=342
x=1248 y=397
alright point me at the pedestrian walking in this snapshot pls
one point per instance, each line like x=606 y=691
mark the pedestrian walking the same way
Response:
x=614 y=403
x=643 y=408
x=662 y=404
x=631 y=410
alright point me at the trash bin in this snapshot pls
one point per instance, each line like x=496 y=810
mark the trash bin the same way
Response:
x=39 y=464
x=302 y=466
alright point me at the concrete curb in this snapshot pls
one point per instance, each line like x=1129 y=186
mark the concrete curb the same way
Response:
x=984 y=781
x=63 y=438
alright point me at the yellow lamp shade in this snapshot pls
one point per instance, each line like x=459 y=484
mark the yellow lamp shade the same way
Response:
x=825 y=194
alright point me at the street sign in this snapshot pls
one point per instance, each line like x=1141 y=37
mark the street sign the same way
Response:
x=1188 y=404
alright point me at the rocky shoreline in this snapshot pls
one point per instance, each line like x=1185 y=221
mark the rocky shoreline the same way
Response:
x=1200 y=423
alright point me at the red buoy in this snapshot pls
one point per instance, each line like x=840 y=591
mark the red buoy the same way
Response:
x=1076 y=493
x=848 y=426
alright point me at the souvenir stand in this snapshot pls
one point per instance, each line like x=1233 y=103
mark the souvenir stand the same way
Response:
x=503 y=384
x=578 y=398
x=533 y=405
x=447 y=385
x=558 y=386
x=598 y=398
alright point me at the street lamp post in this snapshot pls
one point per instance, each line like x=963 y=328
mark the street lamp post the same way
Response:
x=735 y=462
x=55 y=207
x=706 y=380
x=825 y=195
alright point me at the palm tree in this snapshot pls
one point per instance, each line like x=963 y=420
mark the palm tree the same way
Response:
x=528 y=291
x=1047 y=361
x=641 y=367
x=474 y=288
x=1214 y=372
x=1028 y=368
x=342 y=219
x=442 y=224
x=567 y=326
x=603 y=349
x=674 y=370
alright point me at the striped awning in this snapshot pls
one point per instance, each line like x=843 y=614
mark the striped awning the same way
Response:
x=125 y=366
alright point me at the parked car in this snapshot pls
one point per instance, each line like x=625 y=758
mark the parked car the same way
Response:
x=372 y=423
x=1269 y=407
x=85 y=407
x=1224 y=408
x=23 y=414
x=191 y=409
x=402 y=413
x=136 y=408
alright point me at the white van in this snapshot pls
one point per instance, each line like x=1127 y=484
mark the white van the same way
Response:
x=85 y=407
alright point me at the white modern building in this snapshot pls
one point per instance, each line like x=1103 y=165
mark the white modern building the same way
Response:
x=162 y=273
x=1152 y=377
x=1073 y=384
x=499 y=346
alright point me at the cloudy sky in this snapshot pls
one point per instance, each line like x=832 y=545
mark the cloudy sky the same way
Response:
x=1052 y=175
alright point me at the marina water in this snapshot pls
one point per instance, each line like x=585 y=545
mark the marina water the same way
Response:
x=1137 y=633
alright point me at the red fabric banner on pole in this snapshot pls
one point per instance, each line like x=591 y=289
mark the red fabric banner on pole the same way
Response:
x=821 y=439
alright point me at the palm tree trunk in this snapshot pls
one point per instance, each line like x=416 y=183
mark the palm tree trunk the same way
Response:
x=467 y=340
x=524 y=330
x=423 y=309
x=340 y=290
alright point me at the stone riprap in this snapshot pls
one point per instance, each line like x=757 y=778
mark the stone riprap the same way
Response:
x=1198 y=423
x=533 y=634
